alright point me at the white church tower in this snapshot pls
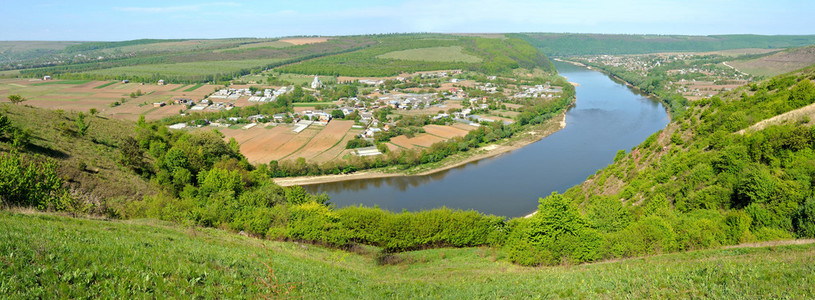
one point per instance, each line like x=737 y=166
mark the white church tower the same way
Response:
x=316 y=84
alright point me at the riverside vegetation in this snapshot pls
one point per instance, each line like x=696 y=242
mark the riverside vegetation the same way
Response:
x=682 y=189
x=207 y=182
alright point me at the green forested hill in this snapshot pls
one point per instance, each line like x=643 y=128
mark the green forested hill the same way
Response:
x=566 y=44
x=698 y=172
x=496 y=56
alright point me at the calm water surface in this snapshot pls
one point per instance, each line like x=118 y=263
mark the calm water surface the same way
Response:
x=608 y=116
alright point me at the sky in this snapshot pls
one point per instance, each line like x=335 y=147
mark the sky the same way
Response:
x=127 y=20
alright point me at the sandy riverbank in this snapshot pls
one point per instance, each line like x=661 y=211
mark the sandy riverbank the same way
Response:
x=551 y=126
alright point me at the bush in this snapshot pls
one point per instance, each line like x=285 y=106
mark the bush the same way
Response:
x=737 y=227
x=32 y=184
x=315 y=222
x=556 y=233
x=804 y=221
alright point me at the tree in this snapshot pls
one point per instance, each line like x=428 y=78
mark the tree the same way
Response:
x=16 y=99
x=93 y=111
x=81 y=125
x=132 y=156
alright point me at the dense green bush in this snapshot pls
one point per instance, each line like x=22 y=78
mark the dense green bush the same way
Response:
x=556 y=233
x=32 y=183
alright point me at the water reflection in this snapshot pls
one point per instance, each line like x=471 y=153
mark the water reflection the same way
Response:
x=608 y=116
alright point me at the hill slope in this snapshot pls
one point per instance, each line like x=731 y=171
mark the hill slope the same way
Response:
x=777 y=63
x=566 y=44
x=89 y=162
x=56 y=257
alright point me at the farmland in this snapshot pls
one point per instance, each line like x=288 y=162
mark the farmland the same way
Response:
x=83 y=95
x=777 y=63
x=201 y=68
x=317 y=144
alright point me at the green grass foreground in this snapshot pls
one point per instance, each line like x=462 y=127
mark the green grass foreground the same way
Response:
x=48 y=256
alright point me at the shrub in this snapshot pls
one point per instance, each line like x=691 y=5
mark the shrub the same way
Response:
x=315 y=222
x=31 y=184
x=557 y=232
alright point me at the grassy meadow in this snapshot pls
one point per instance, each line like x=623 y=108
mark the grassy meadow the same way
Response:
x=49 y=256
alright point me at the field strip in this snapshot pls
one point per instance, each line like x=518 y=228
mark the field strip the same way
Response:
x=106 y=84
x=335 y=145
x=397 y=145
x=436 y=135
x=17 y=85
x=194 y=87
x=299 y=148
x=180 y=87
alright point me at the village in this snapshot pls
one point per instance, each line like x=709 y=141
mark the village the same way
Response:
x=435 y=106
x=693 y=75
x=314 y=117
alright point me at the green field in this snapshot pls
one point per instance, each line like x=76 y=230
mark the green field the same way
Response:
x=47 y=256
x=177 y=46
x=194 y=87
x=186 y=69
x=179 y=87
x=106 y=84
x=60 y=82
x=438 y=54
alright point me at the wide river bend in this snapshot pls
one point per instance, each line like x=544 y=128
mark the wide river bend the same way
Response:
x=608 y=116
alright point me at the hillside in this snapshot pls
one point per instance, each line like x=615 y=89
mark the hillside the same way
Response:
x=568 y=44
x=193 y=61
x=88 y=161
x=180 y=61
x=697 y=167
x=397 y=54
x=49 y=256
x=778 y=63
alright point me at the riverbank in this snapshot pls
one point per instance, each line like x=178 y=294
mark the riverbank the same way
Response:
x=535 y=134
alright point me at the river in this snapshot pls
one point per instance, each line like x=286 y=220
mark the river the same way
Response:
x=608 y=116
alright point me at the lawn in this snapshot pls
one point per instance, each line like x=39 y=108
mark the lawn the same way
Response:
x=436 y=54
x=47 y=256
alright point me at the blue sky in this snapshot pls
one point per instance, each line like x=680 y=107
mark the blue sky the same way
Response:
x=125 y=20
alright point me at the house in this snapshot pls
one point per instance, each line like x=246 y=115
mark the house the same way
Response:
x=158 y=104
x=279 y=117
x=366 y=116
x=370 y=132
x=46 y=77
x=125 y=81
x=161 y=82
x=257 y=118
